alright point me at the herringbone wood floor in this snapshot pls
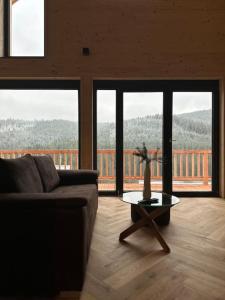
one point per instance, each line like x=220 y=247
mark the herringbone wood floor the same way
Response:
x=138 y=269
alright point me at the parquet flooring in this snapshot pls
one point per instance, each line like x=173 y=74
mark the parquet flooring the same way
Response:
x=138 y=269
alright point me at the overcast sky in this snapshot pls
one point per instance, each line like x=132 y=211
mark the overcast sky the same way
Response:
x=28 y=28
x=39 y=105
x=63 y=104
x=143 y=104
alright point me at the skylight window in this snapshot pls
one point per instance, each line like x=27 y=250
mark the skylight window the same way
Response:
x=22 y=28
x=1 y=29
x=27 y=28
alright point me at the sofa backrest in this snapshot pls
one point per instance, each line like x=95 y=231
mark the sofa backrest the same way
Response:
x=48 y=173
x=28 y=174
x=20 y=175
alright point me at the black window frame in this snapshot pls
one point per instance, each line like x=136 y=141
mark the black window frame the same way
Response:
x=167 y=87
x=7 y=32
x=50 y=84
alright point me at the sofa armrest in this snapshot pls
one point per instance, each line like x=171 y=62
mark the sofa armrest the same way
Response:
x=69 y=177
x=47 y=200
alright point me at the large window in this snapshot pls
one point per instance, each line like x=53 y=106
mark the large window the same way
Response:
x=178 y=122
x=22 y=28
x=40 y=121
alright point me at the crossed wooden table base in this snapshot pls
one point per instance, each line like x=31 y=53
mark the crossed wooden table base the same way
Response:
x=147 y=219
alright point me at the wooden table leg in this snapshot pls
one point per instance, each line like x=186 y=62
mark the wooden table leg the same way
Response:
x=150 y=219
x=147 y=218
x=157 y=234
x=134 y=227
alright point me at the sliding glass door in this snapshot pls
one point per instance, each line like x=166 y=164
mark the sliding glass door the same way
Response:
x=192 y=141
x=177 y=120
x=142 y=123
x=106 y=139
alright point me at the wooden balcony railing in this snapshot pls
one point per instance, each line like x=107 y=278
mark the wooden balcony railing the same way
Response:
x=188 y=165
x=63 y=159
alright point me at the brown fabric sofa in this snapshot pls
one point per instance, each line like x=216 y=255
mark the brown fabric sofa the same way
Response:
x=46 y=225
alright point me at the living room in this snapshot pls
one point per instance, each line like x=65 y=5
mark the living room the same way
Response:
x=89 y=82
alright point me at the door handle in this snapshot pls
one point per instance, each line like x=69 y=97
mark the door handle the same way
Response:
x=171 y=140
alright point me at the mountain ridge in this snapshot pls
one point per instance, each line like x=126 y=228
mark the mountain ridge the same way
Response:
x=191 y=131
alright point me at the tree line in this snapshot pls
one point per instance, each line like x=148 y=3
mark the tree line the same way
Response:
x=190 y=130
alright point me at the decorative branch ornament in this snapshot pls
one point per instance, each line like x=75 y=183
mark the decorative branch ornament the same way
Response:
x=143 y=153
x=147 y=158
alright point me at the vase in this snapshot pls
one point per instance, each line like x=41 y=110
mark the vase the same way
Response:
x=147 y=181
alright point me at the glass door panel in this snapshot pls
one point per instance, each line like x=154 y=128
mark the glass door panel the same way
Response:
x=106 y=139
x=192 y=141
x=143 y=122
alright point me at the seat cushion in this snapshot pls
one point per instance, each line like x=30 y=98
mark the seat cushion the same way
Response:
x=79 y=190
x=19 y=175
x=48 y=173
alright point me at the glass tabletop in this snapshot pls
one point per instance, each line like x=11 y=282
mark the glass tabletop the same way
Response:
x=163 y=199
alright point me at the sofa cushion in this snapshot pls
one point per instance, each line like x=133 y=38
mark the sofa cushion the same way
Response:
x=80 y=190
x=19 y=175
x=48 y=173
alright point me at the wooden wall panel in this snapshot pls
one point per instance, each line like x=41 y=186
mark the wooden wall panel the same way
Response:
x=145 y=38
x=130 y=39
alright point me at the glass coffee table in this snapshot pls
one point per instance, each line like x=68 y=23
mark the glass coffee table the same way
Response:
x=162 y=203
